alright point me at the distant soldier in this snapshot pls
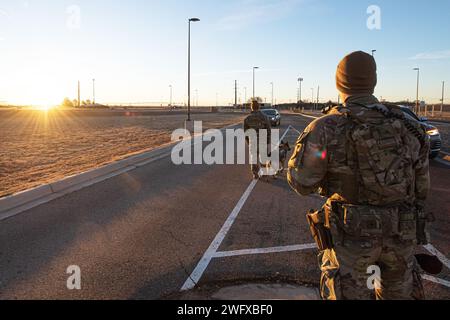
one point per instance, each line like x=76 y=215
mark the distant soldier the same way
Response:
x=371 y=162
x=257 y=121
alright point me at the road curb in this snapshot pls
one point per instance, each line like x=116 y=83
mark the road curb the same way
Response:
x=28 y=199
x=18 y=203
x=24 y=197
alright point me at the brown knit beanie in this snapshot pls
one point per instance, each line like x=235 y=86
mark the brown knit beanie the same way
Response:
x=357 y=74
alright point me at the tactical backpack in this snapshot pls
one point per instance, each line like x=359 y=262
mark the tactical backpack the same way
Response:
x=256 y=121
x=382 y=149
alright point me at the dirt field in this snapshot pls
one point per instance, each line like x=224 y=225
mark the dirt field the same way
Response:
x=39 y=147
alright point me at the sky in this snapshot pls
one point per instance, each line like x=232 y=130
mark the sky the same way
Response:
x=136 y=49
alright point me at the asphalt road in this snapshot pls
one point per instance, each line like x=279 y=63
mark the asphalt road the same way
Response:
x=141 y=235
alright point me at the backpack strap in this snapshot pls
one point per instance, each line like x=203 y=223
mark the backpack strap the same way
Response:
x=386 y=110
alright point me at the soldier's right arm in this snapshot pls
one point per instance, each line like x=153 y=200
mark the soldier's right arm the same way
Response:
x=308 y=166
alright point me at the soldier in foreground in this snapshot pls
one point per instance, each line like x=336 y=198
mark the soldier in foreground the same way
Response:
x=257 y=121
x=372 y=165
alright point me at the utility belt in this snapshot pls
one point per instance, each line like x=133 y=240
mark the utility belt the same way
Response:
x=407 y=223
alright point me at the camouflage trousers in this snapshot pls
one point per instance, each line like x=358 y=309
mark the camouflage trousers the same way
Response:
x=347 y=270
x=255 y=161
x=256 y=167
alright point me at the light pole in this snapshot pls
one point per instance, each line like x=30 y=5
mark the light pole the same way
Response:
x=93 y=91
x=373 y=52
x=245 y=97
x=189 y=65
x=442 y=102
x=300 y=80
x=254 y=68
x=417 y=93
x=318 y=95
x=235 y=94
x=171 y=95
x=272 y=94
x=312 y=97
x=79 y=95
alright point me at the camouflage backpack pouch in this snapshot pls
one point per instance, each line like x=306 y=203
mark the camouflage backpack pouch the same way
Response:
x=384 y=165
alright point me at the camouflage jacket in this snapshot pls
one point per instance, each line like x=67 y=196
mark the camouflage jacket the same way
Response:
x=325 y=161
x=257 y=120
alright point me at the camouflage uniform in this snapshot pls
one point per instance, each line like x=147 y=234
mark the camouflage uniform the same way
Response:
x=374 y=194
x=257 y=121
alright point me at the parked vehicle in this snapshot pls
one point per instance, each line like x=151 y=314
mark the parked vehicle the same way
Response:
x=432 y=131
x=274 y=116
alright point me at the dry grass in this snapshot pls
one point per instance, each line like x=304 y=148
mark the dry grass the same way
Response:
x=38 y=147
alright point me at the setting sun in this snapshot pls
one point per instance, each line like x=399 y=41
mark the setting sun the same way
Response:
x=45 y=108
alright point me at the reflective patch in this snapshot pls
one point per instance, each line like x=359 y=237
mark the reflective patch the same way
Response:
x=322 y=155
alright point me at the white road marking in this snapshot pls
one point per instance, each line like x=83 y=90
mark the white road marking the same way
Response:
x=312 y=246
x=247 y=252
x=296 y=130
x=197 y=274
x=285 y=134
x=438 y=254
x=209 y=254
x=436 y=280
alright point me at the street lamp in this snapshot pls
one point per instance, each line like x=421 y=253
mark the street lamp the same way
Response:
x=373 y=52
x=417 y=93
x=189 y=66
x=272 y=93
x=300 y=80
x=312 y=97
x=318 y=95
x=93 y=91
x=79 y=95
x=254 y=68
x=245 y=97
x=171 y=91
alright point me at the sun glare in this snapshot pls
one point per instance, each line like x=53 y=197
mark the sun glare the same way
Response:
x=44 y=108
